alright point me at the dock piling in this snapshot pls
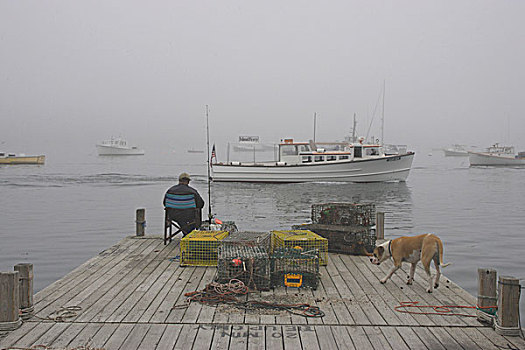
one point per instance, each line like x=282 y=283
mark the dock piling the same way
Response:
x=487 y=295
x=25 y=286
x=380 y=225
x=507 y=322
x=9 y=301
x=141 y=222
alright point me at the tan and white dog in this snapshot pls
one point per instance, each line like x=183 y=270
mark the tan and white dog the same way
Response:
x=426 y=247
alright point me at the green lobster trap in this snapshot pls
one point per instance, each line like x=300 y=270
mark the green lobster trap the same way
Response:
x=304 y=239
x=248 y=263
x=199 y=248
x=294 y=268
x=356 y=240
x=349 y=214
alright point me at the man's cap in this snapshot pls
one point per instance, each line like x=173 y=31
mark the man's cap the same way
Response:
x=184 y=176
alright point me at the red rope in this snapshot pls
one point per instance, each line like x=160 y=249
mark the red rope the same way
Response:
x=444 y=310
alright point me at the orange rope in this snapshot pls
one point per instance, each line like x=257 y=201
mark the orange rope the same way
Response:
x=444 y=310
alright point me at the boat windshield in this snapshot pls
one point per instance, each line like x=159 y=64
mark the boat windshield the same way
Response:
x=294 y=150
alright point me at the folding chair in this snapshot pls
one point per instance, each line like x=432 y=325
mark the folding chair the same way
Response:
x=181 y=212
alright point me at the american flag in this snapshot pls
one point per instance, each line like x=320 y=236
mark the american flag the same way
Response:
x=213 y=154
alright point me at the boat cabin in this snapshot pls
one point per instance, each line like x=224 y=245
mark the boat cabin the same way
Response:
x=291 y=152
x=497 y=149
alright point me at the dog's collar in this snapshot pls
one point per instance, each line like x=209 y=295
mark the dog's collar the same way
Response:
x=389 y=250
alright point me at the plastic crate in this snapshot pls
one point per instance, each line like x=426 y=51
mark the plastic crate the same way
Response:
x=248 y=238
x=248 y=263
x=307 y=240
x=294 y=268
x=199 y=248
x=351 y=214
x=345 y=239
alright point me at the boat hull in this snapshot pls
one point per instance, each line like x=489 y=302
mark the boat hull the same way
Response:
x=487 y=159
x=118 y=151
x=382 y=169
x=453 y=153
x=23 y=160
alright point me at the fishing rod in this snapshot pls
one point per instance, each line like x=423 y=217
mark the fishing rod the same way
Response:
x=208 y=162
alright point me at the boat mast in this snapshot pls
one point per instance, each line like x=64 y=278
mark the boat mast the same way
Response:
x=208 y=162
x=383 y=114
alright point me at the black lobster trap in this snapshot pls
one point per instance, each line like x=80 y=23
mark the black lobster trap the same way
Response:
x=357 y=240
x=347 y=214
x=294 y=268
x=247 y=263
x=228 y=226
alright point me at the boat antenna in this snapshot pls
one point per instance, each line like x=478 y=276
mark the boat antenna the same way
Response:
x=208 y=162
x=353 y=129
x=383 y=114
x=315 y=123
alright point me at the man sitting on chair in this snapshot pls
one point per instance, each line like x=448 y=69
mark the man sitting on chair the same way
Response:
x=184 y=204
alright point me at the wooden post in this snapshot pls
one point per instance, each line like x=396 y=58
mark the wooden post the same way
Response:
x=380 y=225
x=487 y=295
x=141 y=222
x=507 y=322
x=25 y=286
x=9 y=301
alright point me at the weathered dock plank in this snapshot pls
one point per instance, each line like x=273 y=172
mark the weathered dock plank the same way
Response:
x=153 y=337
x=344 y=289
x=127 y=295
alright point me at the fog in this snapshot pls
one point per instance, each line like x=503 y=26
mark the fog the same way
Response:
x=73 y=73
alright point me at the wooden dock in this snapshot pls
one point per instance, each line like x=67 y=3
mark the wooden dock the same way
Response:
x=125 y=298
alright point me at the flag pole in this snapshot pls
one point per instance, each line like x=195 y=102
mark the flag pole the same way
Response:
x=208 y=162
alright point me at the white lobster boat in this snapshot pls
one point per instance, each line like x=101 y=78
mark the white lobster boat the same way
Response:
x=497 y=155
x=456 y=151
x=117 y=147
x=309 y=162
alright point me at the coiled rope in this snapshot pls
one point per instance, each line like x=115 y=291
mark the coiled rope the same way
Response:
x=444 y=310
x=226 y=293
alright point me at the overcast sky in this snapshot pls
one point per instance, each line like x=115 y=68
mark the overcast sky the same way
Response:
x=76 y=72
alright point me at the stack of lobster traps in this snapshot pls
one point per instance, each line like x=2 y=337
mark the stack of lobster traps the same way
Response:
x=349 y=227
x=244 y=256
x=294 y=267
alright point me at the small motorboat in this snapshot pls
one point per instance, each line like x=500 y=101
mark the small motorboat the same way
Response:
x=118 y=147
x=12 y=158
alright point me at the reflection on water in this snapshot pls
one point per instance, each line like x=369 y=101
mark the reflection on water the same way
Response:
x=279 y=206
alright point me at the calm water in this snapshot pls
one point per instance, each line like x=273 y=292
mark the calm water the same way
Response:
x=61 y=214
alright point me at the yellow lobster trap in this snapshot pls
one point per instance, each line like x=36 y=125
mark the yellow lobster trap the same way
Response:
x=301 y=239
x=199 y=248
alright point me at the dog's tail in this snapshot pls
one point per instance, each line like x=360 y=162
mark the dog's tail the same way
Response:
x=440 y=252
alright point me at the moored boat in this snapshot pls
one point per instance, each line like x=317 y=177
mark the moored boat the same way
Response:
x=12 y=158
x=497 y=155
x=456 y=151
x=117 y=147
x=309 y=162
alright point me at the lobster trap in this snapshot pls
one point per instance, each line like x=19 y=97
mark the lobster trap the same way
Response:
x=199 y=248
x=248 y=238
x=303 y=239
x=356 y=240
x=294 y=268
x=248 y=263
x=349 y=214
x=224 y=226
